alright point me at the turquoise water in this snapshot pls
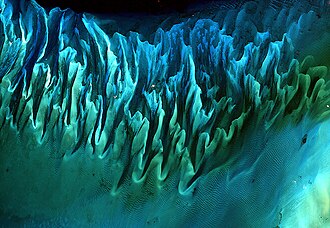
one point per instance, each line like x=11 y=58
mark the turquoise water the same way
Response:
x=214 y=119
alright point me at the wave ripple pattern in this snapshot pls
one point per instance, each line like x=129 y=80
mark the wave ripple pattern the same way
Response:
x=212 y=122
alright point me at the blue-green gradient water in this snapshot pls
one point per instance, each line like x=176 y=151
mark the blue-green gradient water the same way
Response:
x=212 y=118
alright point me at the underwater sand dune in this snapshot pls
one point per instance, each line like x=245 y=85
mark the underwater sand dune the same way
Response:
x=215 y=120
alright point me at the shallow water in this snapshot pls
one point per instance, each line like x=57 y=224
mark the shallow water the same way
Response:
x=201 y=118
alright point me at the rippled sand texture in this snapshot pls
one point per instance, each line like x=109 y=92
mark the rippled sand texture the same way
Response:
x=218 y=119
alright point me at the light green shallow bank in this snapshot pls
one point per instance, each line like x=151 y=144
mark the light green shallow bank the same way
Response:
x=214 y=123
x=273 y=182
